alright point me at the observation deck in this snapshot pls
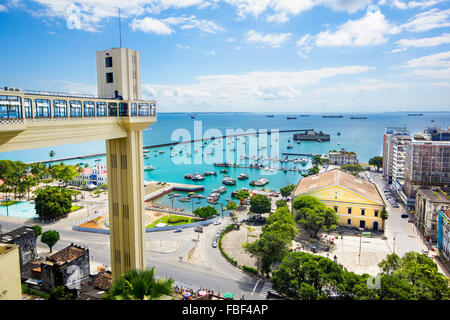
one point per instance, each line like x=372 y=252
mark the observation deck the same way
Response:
x=36 y=119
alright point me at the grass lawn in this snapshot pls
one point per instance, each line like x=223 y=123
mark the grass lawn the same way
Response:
x=75 y=208
x=8 y=203
x=177 y=220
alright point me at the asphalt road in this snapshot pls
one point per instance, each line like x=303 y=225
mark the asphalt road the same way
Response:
x=215 y=273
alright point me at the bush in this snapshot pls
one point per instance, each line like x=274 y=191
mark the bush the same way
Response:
x=249 y=269
x=175 y=219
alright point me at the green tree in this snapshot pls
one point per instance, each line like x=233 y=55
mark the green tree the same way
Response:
x=231 y=206
x=53 y=202
x=314 y=215
x=281 y=203
x=205 y=212
x=314 y=170
x=260 y=204
x=37 y=229
x=139 y=285
x=305 y=276
x=52 y=154
x=317 y=272
x=318 y=160
x=376 y=161
x=384 y=215
x=287 y=190
x=271 y=247
x=413 y=276
x=273 y=243
x=242 y=195
x=50 y=238
x=353 y=169
x=59 y=293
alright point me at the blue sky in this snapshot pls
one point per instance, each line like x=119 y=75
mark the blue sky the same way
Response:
x=240 y=55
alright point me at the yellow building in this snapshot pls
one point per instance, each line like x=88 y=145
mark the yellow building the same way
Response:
x=10 y=285
x=356 y=202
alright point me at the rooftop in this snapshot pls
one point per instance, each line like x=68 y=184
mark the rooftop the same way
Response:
x=434 y=195
x=68 y=254
x=103 y=281
x=340 y=178
x=14 y=234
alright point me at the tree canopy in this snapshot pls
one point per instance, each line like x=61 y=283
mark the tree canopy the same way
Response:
x=139 y=285
x=354 y=169
x=376 y=161
x=50 y=238
x=53 y=202
x=287 y=190
x=314 y=215
x=260 y=204
x=242 y=195
x=273 y=243
x=205 y=212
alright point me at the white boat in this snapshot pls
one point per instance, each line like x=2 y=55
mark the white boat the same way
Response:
x=150 y=167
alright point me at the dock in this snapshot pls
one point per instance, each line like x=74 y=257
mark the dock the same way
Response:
x=172 y=186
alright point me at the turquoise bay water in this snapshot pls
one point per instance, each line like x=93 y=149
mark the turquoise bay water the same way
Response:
x=19 y=210
x=363 y=136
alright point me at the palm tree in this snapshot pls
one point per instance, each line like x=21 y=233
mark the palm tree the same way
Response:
x=52 y=154
x=139 y=285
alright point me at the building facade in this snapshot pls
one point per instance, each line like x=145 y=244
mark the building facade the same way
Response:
x=443 y=243
x=119 y=73
x=428 y=203
x=389 y=142
x=10 y=282
x=342 y=157
x=427 y=162
x=96 y=176
x=356 y=202
x=68 y=267
x=25 y=238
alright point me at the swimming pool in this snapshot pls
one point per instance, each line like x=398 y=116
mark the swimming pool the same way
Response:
x=22 y=209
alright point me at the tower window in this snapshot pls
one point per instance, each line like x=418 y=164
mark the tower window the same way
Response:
x=108 y=61
x=109 y=77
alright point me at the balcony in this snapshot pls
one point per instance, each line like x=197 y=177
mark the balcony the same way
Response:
x=33 y=120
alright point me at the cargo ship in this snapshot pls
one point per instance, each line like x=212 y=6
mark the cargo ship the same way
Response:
x=290 y=118
x=311 y=135
x=358 y=117
x=415 y=114
x=332 y=116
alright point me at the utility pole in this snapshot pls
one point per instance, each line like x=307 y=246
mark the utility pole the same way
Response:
x=359 y=255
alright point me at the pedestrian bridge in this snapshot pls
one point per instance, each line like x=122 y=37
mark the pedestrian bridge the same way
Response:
x=35 y=119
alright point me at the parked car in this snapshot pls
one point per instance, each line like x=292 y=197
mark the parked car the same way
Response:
x=214 y=244
x=178 y=230
x=198 y=229
x=395 y=205
x=405 y=215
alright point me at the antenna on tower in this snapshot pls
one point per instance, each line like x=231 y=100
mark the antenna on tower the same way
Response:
x=120 y=31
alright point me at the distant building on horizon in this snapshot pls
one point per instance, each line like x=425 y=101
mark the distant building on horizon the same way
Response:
x=96 y=176
x=342 y=157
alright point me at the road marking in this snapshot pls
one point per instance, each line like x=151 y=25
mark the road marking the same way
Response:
x=266 y=288
x=255 y=286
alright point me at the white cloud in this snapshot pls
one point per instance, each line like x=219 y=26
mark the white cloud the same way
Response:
x=267 y=40
x=431 y=19
x=424 y=42
x=372 y=29
x=410 y=4
x=192 y=22
x=3 y=8
x=182 y=46
x=151 y=25
x=437 y=60
x=435 y=66
x=280 y=10
x=88 y=14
